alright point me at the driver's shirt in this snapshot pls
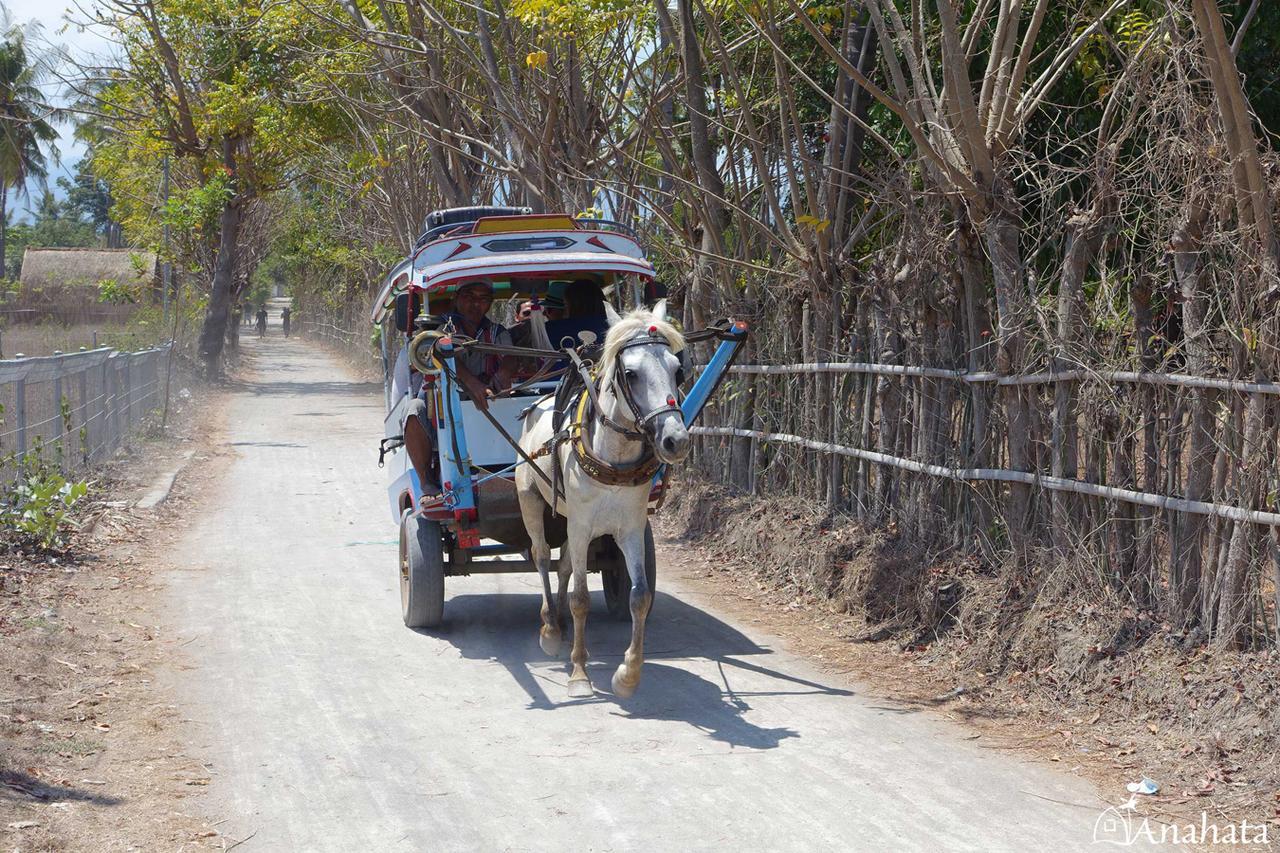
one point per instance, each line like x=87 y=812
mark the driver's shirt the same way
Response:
x=482 y=365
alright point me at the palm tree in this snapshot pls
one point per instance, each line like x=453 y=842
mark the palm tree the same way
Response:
x=23 y=124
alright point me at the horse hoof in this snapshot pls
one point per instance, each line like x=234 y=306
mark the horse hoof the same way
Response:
x=550 y=642
x=620 y=686
x=580 y=689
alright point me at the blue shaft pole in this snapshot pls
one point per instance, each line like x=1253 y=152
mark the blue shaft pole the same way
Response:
x=698 y=395
x=455 y=466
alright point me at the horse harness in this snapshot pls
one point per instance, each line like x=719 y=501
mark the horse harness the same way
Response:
x=585 y=403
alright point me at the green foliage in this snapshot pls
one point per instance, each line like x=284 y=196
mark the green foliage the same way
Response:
x=1104 y=54
x=195 y=209
x=37 y=501
x=53 y=224
x=88 y=197
x=114 y=292
x=215 y=88
x=23 y=108
x=577 y=18
x=1260 y=60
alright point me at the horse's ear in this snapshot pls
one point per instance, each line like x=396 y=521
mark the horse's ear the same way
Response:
x=660 y=309
x=610 y=314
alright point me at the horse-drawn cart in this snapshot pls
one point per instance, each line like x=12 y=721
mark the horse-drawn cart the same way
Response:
x=466 y=518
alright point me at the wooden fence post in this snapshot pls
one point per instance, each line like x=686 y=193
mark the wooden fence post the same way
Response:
x=128 y=398
x=59 y=427
x=83 y=434
x=114 y=374
x=20 y=413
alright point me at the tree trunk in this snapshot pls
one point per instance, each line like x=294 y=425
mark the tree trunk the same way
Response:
x=1233 y=586
x=4 y=228
x=715 y=216
x=213 y=334
x=888 y=396
x=1080 y=245
x=1002 y=239
x=1186 y=551
x=1253 y=210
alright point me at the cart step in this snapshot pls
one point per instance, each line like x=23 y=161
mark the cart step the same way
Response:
x=494 y=567
x=493 y=550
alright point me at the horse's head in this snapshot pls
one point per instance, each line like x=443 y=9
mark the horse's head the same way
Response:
x=640 y=364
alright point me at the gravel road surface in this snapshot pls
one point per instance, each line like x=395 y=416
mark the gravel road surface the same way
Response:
x=330 y=726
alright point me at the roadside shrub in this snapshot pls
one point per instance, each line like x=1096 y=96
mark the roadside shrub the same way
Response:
x=36 y=502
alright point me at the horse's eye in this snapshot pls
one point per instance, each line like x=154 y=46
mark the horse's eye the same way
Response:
x=629 y=373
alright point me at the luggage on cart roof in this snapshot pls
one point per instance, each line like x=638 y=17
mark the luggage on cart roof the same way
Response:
x=455 y=215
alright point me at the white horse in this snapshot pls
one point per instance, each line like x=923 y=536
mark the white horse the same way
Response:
x=605 y=471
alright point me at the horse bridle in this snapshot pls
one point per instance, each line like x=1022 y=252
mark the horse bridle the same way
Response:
x=647 y=431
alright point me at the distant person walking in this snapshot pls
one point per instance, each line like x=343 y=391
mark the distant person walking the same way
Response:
x=262 y=321
x=284 y=319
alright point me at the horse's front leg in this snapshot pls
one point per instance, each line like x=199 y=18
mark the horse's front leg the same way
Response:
x=627 y=676
x=579 y=605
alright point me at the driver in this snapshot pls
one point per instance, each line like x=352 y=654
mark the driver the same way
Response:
x=480 y=373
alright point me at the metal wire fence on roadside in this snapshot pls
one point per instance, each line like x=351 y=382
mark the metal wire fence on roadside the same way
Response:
x=77 y=408
x=347 y=335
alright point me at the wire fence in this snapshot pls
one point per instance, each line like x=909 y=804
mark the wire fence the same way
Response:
x=78 y=408
x=349 y=334
x=327 y=331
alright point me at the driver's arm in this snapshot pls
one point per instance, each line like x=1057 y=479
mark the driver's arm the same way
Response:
x=476 y=389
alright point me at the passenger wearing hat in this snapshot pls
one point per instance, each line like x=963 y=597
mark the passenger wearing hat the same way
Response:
x=553 y=303
x=552 y=307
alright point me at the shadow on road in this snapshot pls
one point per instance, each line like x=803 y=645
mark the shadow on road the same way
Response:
x=370 y=390
x=503 y=628
x=264 y=444
x=671 y=693
x=23 y=783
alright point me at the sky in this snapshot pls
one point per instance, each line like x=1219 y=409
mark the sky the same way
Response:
x=80 y=44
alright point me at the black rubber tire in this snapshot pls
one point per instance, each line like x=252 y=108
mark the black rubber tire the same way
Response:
x=617 y=582
x=421 y=572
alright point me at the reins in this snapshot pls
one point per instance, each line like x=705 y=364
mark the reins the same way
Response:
x=588 y=408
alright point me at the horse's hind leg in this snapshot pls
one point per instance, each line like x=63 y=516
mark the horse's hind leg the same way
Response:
x=549 y=635
x=579 y=605
x=627 y=676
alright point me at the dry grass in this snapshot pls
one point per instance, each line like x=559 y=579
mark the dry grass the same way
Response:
x=92 y=755
x=48 y=338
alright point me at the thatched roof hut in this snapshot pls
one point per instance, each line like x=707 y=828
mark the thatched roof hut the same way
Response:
x=77 y=267
x=67 y=284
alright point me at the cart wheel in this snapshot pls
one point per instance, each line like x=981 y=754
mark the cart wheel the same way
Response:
x=617 y=583
x=421 y=571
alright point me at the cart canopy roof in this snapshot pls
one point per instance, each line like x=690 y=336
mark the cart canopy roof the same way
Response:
x=519 y=255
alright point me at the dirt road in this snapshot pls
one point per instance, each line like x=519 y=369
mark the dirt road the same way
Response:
x=329 y=726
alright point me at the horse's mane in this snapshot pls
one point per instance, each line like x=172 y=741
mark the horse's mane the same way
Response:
x=632 y=324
